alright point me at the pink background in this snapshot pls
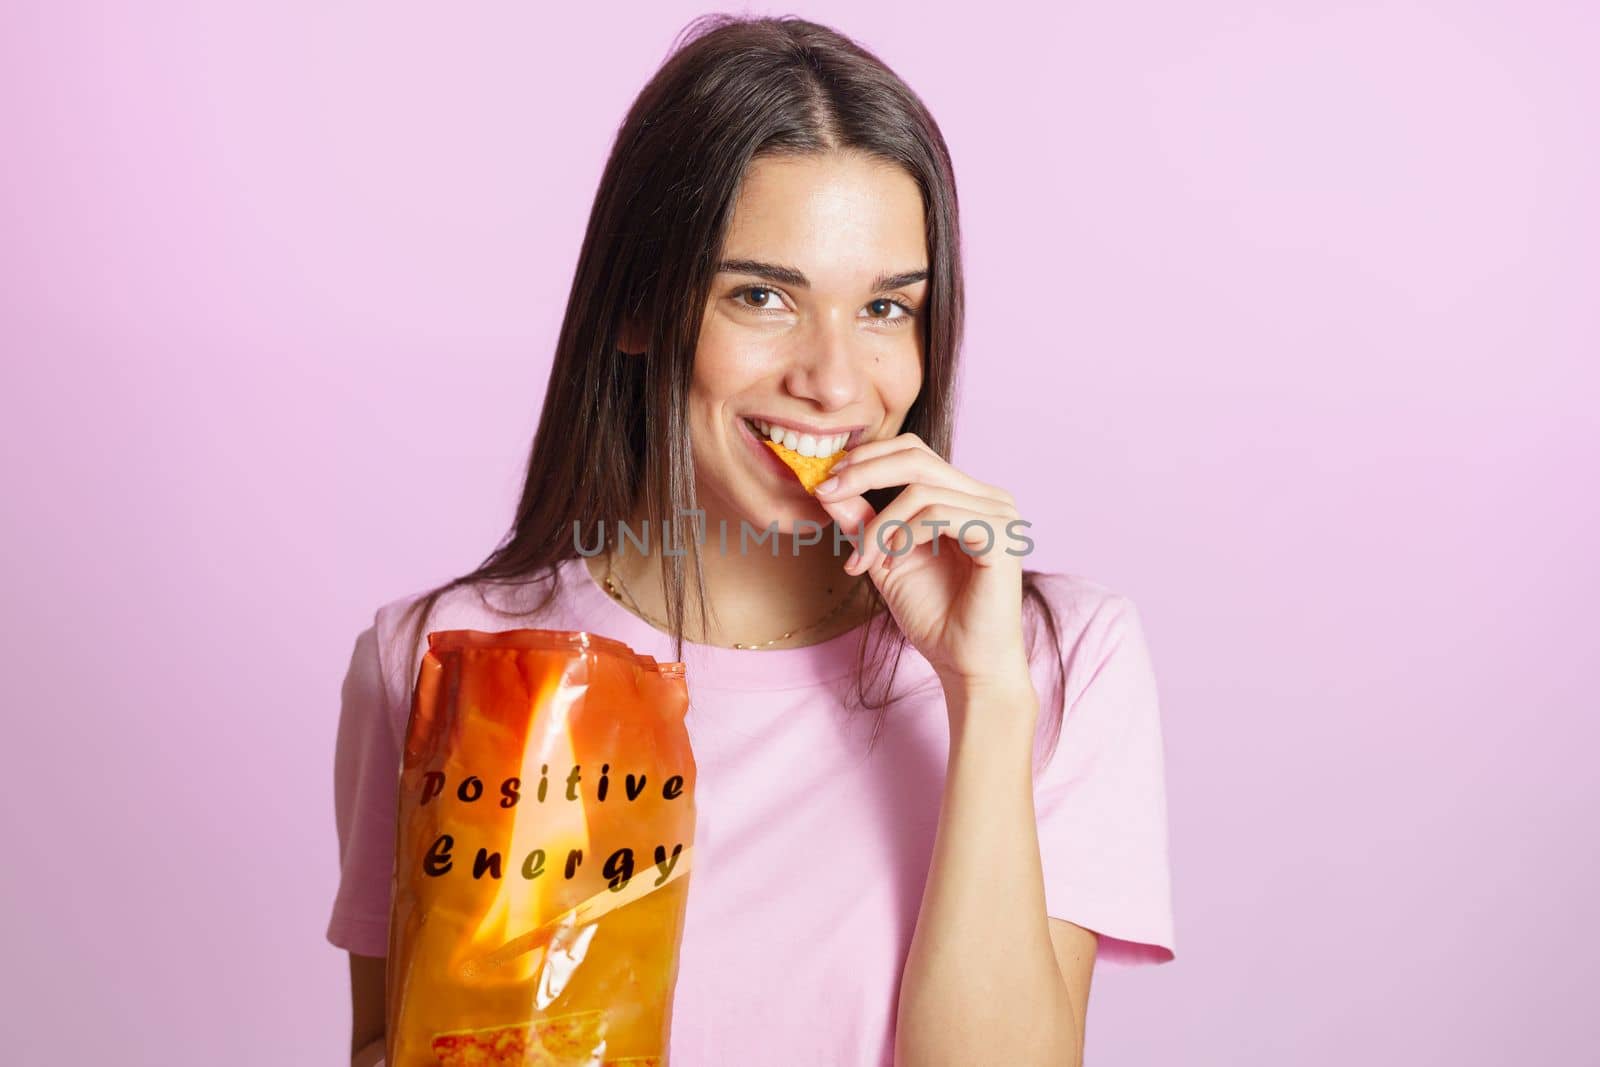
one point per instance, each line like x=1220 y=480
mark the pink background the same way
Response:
x=1283 y=322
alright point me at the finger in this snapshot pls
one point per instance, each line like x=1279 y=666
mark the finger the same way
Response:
x=906 y=466
x=884 y=445
x=905 y=507
x=851 y=513
x=976 y=530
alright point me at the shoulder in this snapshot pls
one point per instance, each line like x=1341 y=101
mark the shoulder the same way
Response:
x=1091 y=622
x=400 y=626
x=1083 y=610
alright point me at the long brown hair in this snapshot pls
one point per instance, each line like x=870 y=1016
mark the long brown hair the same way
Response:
x=613 y=436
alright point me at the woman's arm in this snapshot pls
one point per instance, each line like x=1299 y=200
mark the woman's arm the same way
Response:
x=368 y=975
x=982 y=982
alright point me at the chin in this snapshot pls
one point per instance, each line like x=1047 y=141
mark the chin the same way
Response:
x=790 y=520
x=805 y=516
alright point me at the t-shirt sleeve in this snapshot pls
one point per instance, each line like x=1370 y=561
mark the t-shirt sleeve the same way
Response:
x=366 y=769
x=1100 y=801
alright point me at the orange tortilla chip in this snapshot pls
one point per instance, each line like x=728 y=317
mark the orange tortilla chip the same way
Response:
x=811 y=470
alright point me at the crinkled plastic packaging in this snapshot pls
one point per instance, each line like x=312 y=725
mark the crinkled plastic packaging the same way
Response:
x=545 y=834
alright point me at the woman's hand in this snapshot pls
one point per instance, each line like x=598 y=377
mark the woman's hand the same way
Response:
x=962 y=609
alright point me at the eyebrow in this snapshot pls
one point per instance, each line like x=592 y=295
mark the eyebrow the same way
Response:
x=773 y=272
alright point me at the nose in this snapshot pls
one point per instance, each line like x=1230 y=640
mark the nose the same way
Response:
x=827 y=368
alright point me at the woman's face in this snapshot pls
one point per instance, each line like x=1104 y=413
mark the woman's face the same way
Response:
x=814 y=323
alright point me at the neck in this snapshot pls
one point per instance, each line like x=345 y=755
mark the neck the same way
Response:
x=753 y=596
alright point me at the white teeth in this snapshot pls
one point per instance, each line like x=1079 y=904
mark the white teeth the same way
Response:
x=804 y=443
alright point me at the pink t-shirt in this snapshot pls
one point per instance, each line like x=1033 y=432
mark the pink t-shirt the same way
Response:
x=810 y=855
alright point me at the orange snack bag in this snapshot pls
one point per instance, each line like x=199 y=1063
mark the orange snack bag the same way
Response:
x=545 y=833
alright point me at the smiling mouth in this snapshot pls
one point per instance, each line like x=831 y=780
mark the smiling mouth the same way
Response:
x=805 y=444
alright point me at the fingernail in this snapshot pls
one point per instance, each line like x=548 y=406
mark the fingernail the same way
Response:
x=828 y=486
x=849 y=564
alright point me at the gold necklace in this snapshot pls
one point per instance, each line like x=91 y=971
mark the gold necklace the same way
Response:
x=619 y=589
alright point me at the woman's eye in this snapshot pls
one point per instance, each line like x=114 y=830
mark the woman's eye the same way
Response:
x=768 y=298
x=883 y=310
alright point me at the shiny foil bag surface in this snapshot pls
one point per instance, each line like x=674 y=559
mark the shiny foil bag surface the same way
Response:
x=545 y=832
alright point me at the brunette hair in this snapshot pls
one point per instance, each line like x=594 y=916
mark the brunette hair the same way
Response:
x=613 y=435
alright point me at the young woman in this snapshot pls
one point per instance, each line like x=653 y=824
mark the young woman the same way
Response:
x=930 y=781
